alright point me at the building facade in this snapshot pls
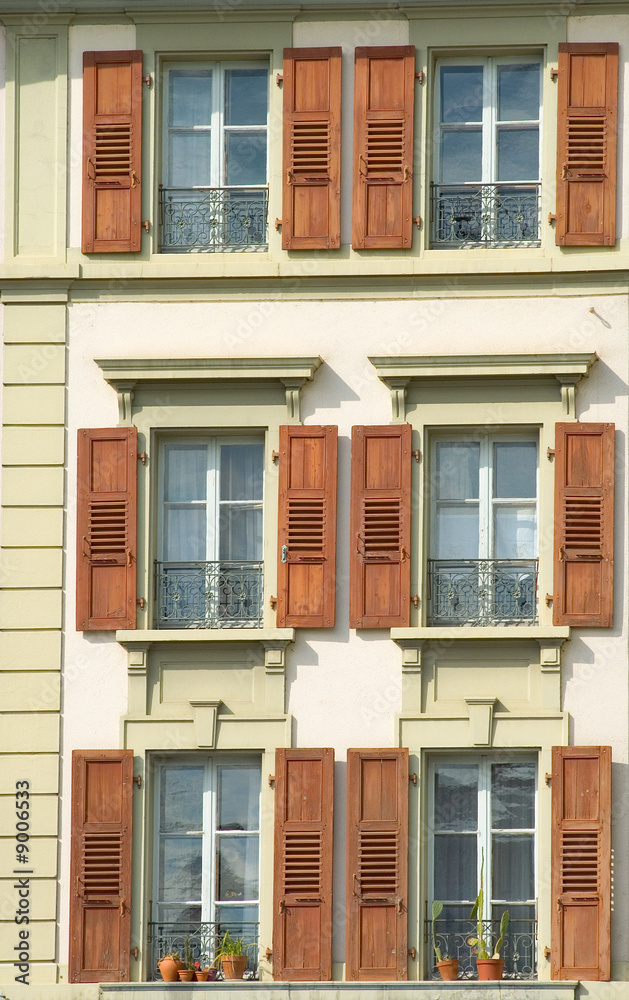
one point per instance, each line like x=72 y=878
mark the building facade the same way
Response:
x=315 y=324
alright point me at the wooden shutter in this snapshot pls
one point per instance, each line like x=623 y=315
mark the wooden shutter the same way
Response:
x=311 y=213
x=584 y=524
x=581 y=863
x=380 y=526
x=377 y=864
x=384 y=91
x=112 y=151
x=106 y=528
x=100 y=866
x=302 y=895
x=586 y=144
x=307 y=526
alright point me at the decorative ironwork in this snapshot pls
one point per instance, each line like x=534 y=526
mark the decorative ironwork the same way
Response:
x=206 y=220
x=226 y=594
x=519 y=950
x=204 y=940
x=482 y=591
x=500 y=214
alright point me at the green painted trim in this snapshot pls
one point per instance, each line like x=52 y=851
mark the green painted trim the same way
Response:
x=142 y=371
x=489 y=633
x=130 y=638
x=519 y=366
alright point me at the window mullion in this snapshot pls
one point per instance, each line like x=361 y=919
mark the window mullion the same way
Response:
x=217 y=127
x=488 y=122
x=484 y=824
x=484 y=501
x=209 y=855
x=213 y=487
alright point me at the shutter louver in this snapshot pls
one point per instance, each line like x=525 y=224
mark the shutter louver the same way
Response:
x=584 y=525
x=100 y=909
x=586 y=144
x=377 y=867
x=581 y=863
x=380 y=527
x=311 y=213
x=302 y=895
x=112 y=152
x=307 y=526
x=384 y=92
x=106 y=528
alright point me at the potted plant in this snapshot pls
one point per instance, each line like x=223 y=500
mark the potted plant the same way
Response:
x=187 y=973
x=232 y=956
x=169 y=966
x=205 y=974
x=489 y=964
x=448 y=967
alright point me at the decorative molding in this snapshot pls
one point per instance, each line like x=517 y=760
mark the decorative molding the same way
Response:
x=481 y=720
x=205 y=717
x=132 y=638
x=275 y=655
x=550 y=654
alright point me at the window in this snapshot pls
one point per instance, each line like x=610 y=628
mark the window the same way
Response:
x=207 y=849
x=483 y=814
x=214 y=194
x=487 y=152
x=209 y=567
x=483 y=565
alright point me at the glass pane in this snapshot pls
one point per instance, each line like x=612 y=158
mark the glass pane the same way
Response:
x=515 y=469
x=461 y=156
x=190 y=97
x=518 y=92
x=237 y=862
x=180 y=868
x=512 y=866
x=457 y=470
x=456 y=798
x=236 y=919
x=184 y=534
x=246 y=96
x=181 y=799
x=238 y=797
x=245 y=158
x=520 y=916
x=241 y=532
x=513 y=796
x=518 y=154
x=185 y=472
x=189 y=159
x=180 y=914
x=457 y=532
x=515 y=533
x=461 y=93
x=455 y=866
x=242 y=467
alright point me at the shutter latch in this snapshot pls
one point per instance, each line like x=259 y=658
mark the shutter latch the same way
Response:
x=284 y=553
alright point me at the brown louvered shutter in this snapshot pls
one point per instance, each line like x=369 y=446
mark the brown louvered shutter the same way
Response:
x=311 y=212
x=584 y=524
x=302 y=885
x=100 y=866
x=384 y=91
x=581 y=863
x=586 y=144
x=307 y=526
x=377 y=865
x=380 y=526
x=112 y=151
x=106 y=528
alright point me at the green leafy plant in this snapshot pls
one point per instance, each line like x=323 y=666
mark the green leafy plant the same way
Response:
x=229 y=946
x=189 y=961
x=437 y=908
x=481 y=946
x=172 y=954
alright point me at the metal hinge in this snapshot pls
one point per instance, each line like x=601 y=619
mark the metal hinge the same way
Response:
x=416 y=455
x=549 y=600
x=275 y=457
x=135 y=952
x=146 y=224
x=271 y=780
x=547 y=953
x=554 y=73
x=273 y=602
x=552 y=218
x=550 y=454
x=417 y=219
x=148 y=80
x=141 y=602
x=278 y=225
x=142 y=456
x=268 y=954
x=419 y=76
x=413 y=778
x=415 y=600
x=548 y=778
x=279 y=79
x=137 y=780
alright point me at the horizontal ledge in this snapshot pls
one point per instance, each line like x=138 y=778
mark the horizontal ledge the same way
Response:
x=515 y=366
x=130 y=372
x=482 y=633
x=129 y=638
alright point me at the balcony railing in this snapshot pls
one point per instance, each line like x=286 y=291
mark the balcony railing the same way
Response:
x=226 y=594
x=519 y=950
x=204 y=939
x=490 y=215
x=482 y=591
x=210 y=220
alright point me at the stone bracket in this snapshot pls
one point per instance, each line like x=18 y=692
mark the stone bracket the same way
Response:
x=550 y=654
x=205 y=718
x=481 y=720
x=293 y=398
x=125 y=401
x=397 y=387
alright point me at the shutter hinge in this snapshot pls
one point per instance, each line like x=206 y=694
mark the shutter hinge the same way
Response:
x=415 y=600
x=273 y=602
x=141 y=602
x=271 y=780
x=412 y=953
x=416 y=455
x=279 y=79
x=146 y=224
x=417 y=219
x=550 y=454
x=142 y=457
x=275 y=457
x=554 y=73
x=148 y=81
x=547 y=953
x=278 y=225
x=549 y=600
x=268 y=954
x=548 y=778
x=413 y=778
x=419 y=76
x=552 y=218
x=135 y=952
x=137 y=780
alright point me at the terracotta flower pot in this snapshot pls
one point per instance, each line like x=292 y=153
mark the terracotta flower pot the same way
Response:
x=449 y=968
x=169 y=969
x=490 y=968
x=186 y=975
x=234 y=966
x=203 y=975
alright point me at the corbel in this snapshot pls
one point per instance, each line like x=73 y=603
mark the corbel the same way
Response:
x=124 y=392
x=293 y=398
x=205 y=717
x=568 y=394
x=397 y=387
x=275 y=655
x=550 y=654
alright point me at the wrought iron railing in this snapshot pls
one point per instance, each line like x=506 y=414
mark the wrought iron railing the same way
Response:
x=500 y=214
x=453 y=938
x=204 y=939
x=206 y=220
x=482 y=591
x=226 y=594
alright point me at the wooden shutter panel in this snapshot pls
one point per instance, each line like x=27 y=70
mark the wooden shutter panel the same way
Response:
x=311 y=213
x=586 y=144
x=584 y=524
x=384 y=92
x=302 y=895
x=100 y=866
x=380 y=526
x=106 y=528
x=581 y=863
x=377 y=864
x=307 y=526
x=112 y=151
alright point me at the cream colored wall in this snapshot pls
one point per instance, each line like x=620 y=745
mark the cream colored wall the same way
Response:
x=3 y=69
